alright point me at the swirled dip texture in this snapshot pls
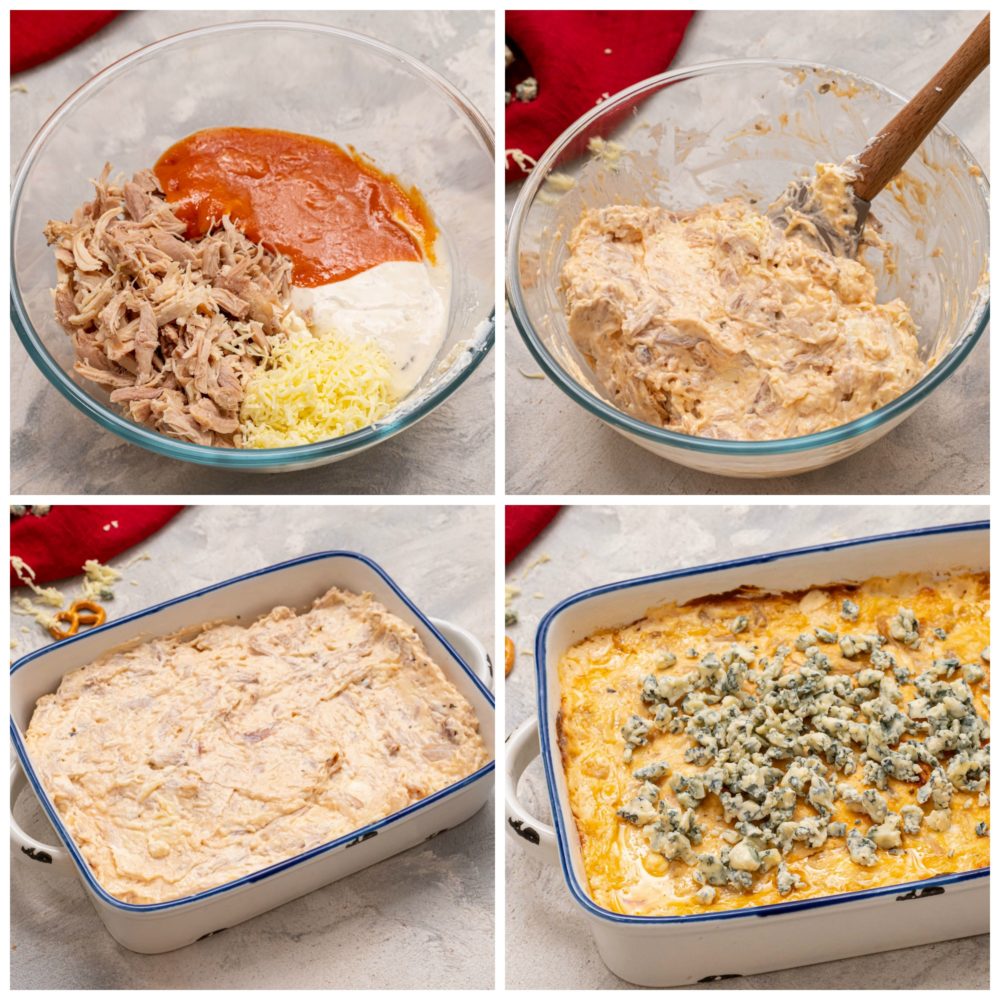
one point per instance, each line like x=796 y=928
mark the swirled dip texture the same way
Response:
x=716 y=323
x=182 y=764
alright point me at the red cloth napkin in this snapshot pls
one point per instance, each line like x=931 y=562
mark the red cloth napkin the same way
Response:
x=566 y=52
x=36 y=36
x=523 y=524
x=57 y=545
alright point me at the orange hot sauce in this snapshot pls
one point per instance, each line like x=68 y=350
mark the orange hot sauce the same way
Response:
x=332 y=213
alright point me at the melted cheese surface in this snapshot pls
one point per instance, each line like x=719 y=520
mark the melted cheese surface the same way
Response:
x=184 y=763
x=717 y=324
x=600 y=680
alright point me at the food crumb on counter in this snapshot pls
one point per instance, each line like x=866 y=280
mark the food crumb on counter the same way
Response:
x=540 y=560
x=509 y=613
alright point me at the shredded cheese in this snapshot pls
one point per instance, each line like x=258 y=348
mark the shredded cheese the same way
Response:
x=22 y=605
x=98 y=581
x=315 y=388
x=47 y=595
x=541 y=560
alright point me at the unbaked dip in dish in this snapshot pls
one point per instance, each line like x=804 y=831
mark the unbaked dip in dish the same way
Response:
x=755 y=748
x=253 y=289
x=718 y=323
x=185 y=762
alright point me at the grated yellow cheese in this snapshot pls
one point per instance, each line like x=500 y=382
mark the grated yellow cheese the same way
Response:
x=98 y=581
x=315 y=388
x=98 y=585
x=24 y=573
x=21 y=605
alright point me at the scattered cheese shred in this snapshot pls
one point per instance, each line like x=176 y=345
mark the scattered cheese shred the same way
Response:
x=22 y=605
x=98 y=581
x=541 y=560
x=316 y=388
x=47 y=595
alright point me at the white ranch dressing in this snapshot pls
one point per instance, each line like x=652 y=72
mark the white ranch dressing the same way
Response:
x=401 y=305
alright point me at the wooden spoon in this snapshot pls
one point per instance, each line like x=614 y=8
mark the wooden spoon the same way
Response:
x=886 y=153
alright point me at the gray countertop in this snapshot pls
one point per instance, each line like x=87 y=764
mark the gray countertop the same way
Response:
x=424 y=917
x=548 y=942
x=943 y=448
x=55 y=449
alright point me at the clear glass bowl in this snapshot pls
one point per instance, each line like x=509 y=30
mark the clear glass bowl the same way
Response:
x=305 y=78
x=704 y=133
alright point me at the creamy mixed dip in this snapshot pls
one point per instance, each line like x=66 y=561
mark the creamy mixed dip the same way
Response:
x=186 y=762
x=719 y=324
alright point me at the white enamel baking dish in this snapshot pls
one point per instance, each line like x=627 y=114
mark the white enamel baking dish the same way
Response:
x=672 y=951
x=161 y=927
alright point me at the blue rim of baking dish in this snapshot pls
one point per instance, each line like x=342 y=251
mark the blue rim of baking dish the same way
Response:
x=246 y=459
x=771 y=909
x=353 y=837
x=599 y=407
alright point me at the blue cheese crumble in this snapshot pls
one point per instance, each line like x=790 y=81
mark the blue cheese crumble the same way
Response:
x=745 y=713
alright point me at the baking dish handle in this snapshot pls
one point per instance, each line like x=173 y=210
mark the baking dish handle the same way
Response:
x=469 y=648
x=28 y=846
x=531 y=833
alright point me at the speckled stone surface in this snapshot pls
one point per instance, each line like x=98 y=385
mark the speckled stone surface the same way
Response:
x=422 y=918
x=942 y=448
x=548 y=941
x=55 y=449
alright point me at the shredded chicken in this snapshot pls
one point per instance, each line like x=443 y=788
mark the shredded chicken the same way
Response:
x=171 y=327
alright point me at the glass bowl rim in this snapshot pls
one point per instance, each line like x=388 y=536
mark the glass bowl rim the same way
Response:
x=973 y=329
x=254 y=458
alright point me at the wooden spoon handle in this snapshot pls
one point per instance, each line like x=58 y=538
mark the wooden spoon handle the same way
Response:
x=885 y=155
